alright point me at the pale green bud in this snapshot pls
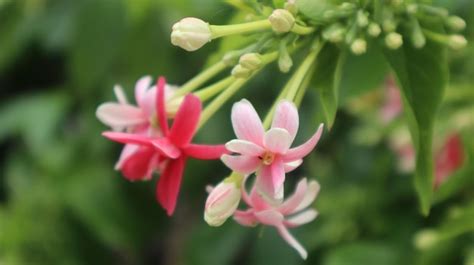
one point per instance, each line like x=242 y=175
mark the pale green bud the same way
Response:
x=393 y=40
x=457 y=42
x=362 y=19
x=240 y=72
x=291 y=7
x=281 y=20
x=285 y=62
x=190 y=33
x=374 y=30
x=251 y=61
x=456 y=23
x=426 y=239
x=359 y=46
x=389 y=25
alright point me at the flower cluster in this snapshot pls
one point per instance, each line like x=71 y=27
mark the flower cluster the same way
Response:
x=263 y=150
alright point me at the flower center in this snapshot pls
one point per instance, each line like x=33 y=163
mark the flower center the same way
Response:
x=267 y=158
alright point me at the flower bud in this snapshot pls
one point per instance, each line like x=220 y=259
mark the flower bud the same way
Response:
x=389 y=25
x=374 y=30
x=291 y=7
x=191 y=33
x=221 y=203
x=412 y=9
x=281 y=20
x=426 y=239
x=240 y=72
x=457 y=42
x=359 y=46
x=362 y=19
x=251 y=61
x=456 y=23
x=284 y=61
x=393 y=40
x=334 y=33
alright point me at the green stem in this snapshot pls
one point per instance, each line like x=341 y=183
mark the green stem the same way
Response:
x=302 y=30
x=220 y=100
x=284 y=91
x=200 y=79
x=304 y=87
x=440 y=38
x=210 y=91
x=221 y=31
x=302 y=70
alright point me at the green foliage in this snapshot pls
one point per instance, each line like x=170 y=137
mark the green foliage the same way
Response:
x=422 y=75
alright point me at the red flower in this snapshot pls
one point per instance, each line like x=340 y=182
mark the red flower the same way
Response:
x=170 y=150
x=448 y=159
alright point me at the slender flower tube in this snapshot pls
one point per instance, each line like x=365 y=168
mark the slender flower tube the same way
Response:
x=267 y=153
x=290 y=213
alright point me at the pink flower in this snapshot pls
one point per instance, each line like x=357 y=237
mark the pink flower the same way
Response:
x=267 y=153
x=170 y=150
x=282 y=215
x=135 y=162
x=448 y=159
x=393 y=101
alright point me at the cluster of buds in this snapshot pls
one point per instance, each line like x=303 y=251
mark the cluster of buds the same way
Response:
x=262 y=150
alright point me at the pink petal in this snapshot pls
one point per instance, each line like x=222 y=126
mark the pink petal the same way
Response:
x=137 y=166
x=283 y=231
x=205 y=152
x=295 y=200
x=169 y=184
x=286 y=117
x=245 y=218
x=301 y=218
x=270 y=180
x=128 y=138
x=304 y=149
x=120 y=95
x=241 y=164
x=120 y=115
x=165 y=148
x=247 y=125
x=127 y=151
x=259 y=203
x=186 y=121
x=160 y=106
x=245 y=195
x=310 y=195
x=290 y=166
x=269 y=217
x=141 y=88
x=244 y=147
x=277 y=140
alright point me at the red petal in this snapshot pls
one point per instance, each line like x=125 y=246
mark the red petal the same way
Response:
x=165 y=148
x=186 y=121
x=169 y=183
x=138 y=166
x=205 y=152
x=128 y=138
x=160 y=105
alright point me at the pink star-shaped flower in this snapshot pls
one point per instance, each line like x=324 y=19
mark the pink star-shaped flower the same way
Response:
x=267 y=153
x=172 y=148
x=282 y=215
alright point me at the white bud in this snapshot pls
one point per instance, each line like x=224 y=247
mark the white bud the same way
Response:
x=393 y=40
x=251 y=61
x=374 y=30
x=456 y=23
x=412 y=8
x=221 y=203
x=291 y=7
x=426 y=239
x=191 y=33
x=362 y=19
x=281 y=20
x=359 y=46
x=457 y=42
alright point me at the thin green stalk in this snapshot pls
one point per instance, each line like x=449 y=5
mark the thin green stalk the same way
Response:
x=221 y=31
x=304 y=86
x=212 y=90
x=200 y=79
x=302 y=30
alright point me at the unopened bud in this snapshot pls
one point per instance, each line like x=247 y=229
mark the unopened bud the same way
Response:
x=334 y=33
x=291 y=7
x=240 y=72
x=393 y=40
x=281 y=20
x=359 y=46
x=251 y=61
x=362 y=19
x=389 y=25
x=190 y=33
x=374 y=30
x=426 y=239
x=457 y=42
x=456 y=23
x=412 y=8
x=221 y=203
x=285 y=62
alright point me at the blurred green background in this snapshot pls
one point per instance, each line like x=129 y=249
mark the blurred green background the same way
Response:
x=61 y=202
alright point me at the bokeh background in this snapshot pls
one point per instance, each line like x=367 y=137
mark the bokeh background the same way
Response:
x=61 y=202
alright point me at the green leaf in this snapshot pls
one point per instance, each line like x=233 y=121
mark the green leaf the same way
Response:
x=362 y=253
x=326 y=79
x=314 y=9
x=422 y=75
